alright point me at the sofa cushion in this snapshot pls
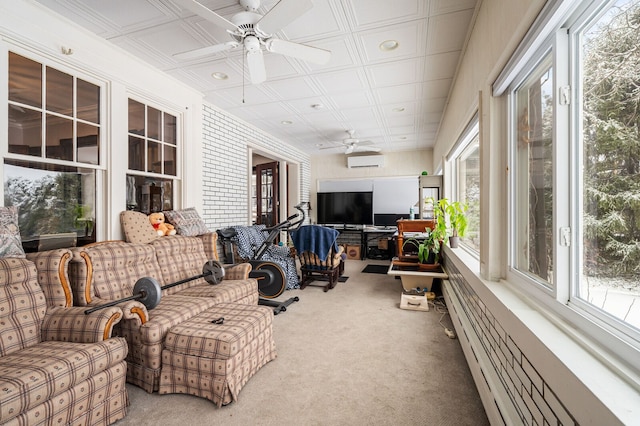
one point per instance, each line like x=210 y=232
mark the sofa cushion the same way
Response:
x=179 y=257
x=137 y=228
x=10 y=242
x=38 y=373
x=116 y=266
x=187 y=222
x=146 y=341
x=229 y=291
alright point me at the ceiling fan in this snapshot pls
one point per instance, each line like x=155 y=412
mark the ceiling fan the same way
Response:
x=352 y=144
x=253 y=31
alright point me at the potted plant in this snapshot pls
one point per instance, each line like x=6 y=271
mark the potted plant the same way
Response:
x=428 y=248
x=454 y=213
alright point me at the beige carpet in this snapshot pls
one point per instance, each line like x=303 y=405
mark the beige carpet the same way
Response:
x=346 y=357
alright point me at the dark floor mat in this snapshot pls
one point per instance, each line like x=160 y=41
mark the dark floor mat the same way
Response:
x=342 y=279
x=376 y=269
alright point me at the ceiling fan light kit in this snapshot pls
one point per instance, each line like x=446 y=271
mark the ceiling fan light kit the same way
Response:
x=254 y=31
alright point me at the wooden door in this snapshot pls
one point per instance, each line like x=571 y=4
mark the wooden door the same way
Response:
x=267 y=194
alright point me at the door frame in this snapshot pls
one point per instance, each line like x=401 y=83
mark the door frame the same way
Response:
x=289 y=177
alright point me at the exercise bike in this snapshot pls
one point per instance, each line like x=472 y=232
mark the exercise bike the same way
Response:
x=271 y=278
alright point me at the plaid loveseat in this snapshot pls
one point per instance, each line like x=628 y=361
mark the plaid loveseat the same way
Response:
x=108 y=271
x=57 y=365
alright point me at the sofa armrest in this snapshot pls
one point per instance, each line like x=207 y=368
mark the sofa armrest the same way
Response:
x=131 y=309
x=239 y=271
x=73 y=325
x=53 y=275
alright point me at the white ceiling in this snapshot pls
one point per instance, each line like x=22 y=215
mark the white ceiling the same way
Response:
x=360 y=88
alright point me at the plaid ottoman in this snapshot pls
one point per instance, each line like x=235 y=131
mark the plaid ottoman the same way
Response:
x=213 y=359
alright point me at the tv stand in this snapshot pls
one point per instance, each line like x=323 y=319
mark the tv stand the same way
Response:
x=366 y=234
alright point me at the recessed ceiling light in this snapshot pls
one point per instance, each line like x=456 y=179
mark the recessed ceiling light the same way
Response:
x=219 y=75
x=398 y=109
x=388 y=45
x=286 y=122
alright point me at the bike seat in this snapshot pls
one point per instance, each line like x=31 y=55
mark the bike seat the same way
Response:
x=226 y=233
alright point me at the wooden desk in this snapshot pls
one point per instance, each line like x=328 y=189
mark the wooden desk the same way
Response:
x=408 y=225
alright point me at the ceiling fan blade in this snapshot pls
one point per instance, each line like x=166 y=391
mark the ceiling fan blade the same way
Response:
x=368 y=149
x=209 y=50
x=255 y=62
x=300 y=51
x=282 y=14
x=208 y=14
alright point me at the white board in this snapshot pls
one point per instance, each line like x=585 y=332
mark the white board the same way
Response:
x=395 y=195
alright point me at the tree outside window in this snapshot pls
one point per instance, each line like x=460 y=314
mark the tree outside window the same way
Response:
x=610 y=278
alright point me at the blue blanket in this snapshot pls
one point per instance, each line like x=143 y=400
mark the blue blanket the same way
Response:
x=315 y=239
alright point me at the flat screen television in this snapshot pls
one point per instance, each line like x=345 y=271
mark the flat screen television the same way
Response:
x=345 y=208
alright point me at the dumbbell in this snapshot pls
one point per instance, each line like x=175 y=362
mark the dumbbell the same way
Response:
x=148 y=291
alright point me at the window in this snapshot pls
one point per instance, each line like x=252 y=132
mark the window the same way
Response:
x=534 y=165
x=610 y=169
x=575 y=162
x=468 y=167
x=152 y=158
x=465 y=163
x=53 y=159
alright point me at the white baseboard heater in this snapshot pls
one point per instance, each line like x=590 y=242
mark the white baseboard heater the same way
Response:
x=495 y=399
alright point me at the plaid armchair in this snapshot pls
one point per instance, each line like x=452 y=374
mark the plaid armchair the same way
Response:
x=57 y=365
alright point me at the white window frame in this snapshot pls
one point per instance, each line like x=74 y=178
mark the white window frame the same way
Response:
x=557 y=28
x=177 y=178
x=101 y=225
x=471 y=131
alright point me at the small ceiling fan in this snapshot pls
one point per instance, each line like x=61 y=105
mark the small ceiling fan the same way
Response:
x=253 y=31
x=352 y=144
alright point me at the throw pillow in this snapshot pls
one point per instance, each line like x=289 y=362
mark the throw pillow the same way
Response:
x=10 y=241
x=187 y=222
x=137 y=228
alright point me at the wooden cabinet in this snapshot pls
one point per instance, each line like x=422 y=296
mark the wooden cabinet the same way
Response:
x=405 y=225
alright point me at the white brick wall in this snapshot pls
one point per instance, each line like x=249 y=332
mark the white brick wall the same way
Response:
x=225 y=170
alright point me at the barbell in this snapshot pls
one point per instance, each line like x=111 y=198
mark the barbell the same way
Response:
x=148 y=291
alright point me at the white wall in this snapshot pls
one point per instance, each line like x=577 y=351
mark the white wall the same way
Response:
x=397 y=164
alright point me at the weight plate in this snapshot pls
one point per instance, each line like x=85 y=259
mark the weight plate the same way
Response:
x=149 y=290
x=276 y=285
x=213 y=272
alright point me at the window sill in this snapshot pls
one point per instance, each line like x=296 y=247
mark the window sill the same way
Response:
x=591 y=383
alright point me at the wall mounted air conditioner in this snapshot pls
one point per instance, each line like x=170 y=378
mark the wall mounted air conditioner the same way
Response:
x=365 y=161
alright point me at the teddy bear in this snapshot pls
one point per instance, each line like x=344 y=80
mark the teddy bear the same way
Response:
x=161 y=227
